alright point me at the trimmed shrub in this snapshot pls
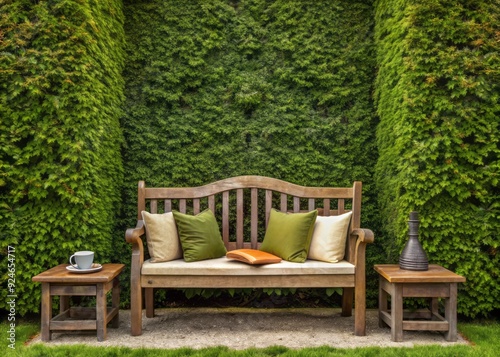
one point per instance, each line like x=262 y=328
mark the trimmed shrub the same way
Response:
x=60 y=164
x=437 y=95
x=219 y=88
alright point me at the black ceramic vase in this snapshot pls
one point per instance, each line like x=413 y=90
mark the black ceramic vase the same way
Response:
x=413 y=256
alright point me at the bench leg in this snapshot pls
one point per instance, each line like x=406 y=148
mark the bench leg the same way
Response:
x=360 y=312
x=150 y=301
x=347 y=295
x=135 y=310
x=360 y=297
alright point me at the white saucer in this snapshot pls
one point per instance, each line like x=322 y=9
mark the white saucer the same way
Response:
x=95 y=267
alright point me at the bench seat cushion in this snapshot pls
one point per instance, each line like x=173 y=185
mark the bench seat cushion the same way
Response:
x=224 y=266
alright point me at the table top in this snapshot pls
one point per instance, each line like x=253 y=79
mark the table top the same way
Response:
x=60 y=274
x=436 y=274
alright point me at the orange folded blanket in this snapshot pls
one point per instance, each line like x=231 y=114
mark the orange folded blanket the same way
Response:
x=252 y=256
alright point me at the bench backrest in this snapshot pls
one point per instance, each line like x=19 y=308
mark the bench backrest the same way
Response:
x=242 y=204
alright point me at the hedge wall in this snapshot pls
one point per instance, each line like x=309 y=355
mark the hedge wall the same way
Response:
x=280 y=89
x=437 y=95
x=60 y=165
x=217 y=89
x=224 y=88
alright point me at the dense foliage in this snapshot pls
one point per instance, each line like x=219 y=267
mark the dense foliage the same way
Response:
x=221 y=88
x=217 y=88
x=438 y=91
x=60 y=165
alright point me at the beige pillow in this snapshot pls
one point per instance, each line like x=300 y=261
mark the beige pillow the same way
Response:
x=161 y=234
x=329 y=237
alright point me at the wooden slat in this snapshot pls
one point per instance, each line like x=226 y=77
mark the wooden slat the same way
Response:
x=426 y=325
x=269 y=204
x=438 y=290
x=182 y=205
x=153 y=206
x=284 y=203
x=435 y=274
x=254 y=225
x=225 y=217
x=341 y=204
x=356 y=205
x=211 y=203
x=246 y=245
x=251 y=281
x=69 y=290
x=141 y=199
x=73 y=325
x=296 y=204
x=64 y=315
x=63 y=303
x=168 y=205
x=311 y=204
x=326 y=207
x=241 y=182
x=196 y=206
x=239 y=218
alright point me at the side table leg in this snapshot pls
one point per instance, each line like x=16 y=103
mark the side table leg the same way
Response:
x=115 y=302
x=450 y=313
x=382 y=302
x=101 y=312
x=46 y=312
x=397 y=313
x=434 y=308
x=63 y=303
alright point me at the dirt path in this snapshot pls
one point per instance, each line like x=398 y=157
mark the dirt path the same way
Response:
x=241 y=328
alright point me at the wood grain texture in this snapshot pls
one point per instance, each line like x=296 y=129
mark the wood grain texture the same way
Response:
x=433 y=284
x=435 y=274
x=239 y=217
x=58 y=281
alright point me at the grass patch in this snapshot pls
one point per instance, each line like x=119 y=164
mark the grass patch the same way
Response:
x=483 y=336
x=23 y=332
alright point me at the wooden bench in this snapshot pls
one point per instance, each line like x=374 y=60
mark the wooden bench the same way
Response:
x=242 y=206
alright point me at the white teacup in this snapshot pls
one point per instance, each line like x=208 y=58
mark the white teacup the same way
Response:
x=82 y=259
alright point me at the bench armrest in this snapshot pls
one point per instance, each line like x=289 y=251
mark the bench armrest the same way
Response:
x=133 y=236
x=362 y=237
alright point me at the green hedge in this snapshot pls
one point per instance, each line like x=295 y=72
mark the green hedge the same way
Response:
x=221 y=88
x=437 y=95
x=280 y=89
x=60 y=164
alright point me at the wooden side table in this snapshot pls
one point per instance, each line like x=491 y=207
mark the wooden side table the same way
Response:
x=435 y=283
x=59 y=281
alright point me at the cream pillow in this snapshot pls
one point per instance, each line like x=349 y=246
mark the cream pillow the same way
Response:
x=161 y=234
x=329 y=237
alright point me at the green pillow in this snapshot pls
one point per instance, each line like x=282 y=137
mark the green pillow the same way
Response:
x=288 y=235
x=199 y=235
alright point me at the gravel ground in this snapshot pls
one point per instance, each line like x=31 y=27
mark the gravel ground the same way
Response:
x=241 y=328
